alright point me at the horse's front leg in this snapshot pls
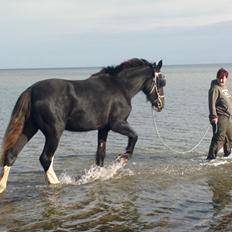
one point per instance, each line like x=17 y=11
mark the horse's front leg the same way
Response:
x=125 y=129
x=101 y=148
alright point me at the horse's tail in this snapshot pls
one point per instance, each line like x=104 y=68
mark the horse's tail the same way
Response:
x=20 y=114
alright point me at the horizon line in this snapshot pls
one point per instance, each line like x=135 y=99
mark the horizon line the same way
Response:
x=99 y=66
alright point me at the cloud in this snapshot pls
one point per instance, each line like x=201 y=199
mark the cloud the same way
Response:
x=50 y=33
x=109 y=16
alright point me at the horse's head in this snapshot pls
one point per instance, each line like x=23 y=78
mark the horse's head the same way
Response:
x=154 y=88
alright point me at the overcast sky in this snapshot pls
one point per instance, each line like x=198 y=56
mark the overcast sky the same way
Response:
x=80 y=33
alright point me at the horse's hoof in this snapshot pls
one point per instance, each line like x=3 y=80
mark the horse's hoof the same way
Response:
x=211 y=157
x=123 y=158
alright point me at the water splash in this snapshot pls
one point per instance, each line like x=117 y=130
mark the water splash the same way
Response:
x=97 y=173
x=217 y=162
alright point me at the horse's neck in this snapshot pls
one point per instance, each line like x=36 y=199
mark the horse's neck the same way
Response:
x=133 y=82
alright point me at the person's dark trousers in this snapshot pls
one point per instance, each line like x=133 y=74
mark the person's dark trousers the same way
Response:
x=221 y=131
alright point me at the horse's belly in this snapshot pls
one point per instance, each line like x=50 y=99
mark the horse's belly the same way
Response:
x=83 y=125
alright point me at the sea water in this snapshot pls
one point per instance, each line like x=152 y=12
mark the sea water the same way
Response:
x=157 y=190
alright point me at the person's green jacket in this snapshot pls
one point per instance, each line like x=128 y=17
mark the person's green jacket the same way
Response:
x=220 y=101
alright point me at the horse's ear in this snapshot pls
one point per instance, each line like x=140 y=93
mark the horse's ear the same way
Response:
x=154 y=65
x=159 y=66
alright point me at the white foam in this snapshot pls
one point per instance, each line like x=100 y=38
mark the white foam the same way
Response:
x=230 y=156
x=66 y=179
x=97 y=173
x=217 y=162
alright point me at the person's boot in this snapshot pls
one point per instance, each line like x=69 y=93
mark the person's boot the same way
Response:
x=227 y=152
x=211 y=157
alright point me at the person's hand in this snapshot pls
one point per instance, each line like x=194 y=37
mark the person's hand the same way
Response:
x=214 y=120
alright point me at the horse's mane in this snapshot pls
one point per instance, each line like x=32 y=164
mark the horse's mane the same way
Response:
x=132 y=63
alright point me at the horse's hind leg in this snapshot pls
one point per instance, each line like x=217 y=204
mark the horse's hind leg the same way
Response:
x=46 y=158
x=11 y=155
x=9 y=159
x=101 y=148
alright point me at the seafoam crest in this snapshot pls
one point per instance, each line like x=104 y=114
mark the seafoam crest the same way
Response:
x=217 y=162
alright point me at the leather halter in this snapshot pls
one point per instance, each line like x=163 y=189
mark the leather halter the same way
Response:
x=155 y=88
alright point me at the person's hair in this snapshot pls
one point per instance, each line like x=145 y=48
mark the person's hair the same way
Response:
x=221 y=73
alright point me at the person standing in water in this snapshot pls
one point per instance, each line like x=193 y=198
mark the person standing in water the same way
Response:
x=220 y=111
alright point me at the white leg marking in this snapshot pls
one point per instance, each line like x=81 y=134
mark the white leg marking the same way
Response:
x=51 y=175
x=4 y=178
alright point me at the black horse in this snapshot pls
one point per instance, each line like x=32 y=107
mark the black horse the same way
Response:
x=101 y=102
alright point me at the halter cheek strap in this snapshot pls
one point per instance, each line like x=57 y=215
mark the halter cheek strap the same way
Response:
x=152 y=89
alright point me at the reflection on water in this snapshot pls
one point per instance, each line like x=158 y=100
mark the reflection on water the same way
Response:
x=156 y=191
x=221 y=186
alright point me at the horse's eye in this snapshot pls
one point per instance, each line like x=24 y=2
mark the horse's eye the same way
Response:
x=162 y=82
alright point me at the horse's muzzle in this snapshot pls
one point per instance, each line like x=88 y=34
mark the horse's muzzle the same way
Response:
x=157 y=109
x=158 y=104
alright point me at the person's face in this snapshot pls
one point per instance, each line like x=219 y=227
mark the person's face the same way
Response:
x=222 y=81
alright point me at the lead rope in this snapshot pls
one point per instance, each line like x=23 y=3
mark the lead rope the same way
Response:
x=170 y=148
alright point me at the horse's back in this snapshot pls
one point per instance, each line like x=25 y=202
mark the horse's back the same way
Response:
x=48 y=87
